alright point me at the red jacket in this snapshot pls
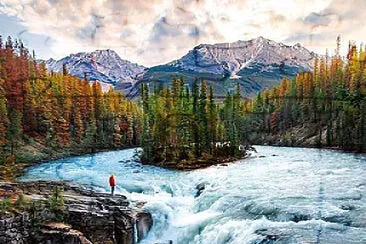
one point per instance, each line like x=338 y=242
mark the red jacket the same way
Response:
x=112 y=182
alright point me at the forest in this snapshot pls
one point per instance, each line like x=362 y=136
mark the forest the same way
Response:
x=177 y=125
x=329 y=104
x=57 y=111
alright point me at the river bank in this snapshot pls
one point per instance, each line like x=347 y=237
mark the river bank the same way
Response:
x=35 y=153
x=306 y=136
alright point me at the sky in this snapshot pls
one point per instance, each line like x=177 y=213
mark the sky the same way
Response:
x=152 y=32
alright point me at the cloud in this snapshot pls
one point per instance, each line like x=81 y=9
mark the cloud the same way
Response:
x=157 y=31
x=163 y=29
x=322 y=19
x=343 y=18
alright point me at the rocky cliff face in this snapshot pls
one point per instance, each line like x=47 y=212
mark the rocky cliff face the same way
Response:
x=102 y=65
x=90 y=217
x=231 y=58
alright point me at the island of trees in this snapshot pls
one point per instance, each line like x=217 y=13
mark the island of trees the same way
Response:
x=188 y=129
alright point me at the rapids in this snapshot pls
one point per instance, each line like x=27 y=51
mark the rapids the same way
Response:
x=278 y=195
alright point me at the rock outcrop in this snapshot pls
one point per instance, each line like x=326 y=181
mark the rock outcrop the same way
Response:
x=200 y=187
x=88 y=216
x=59 y=233
x=14 y=228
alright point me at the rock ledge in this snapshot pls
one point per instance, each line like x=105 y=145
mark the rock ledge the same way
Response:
x=88 y=216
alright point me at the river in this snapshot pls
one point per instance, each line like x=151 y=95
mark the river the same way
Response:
x=278 y=195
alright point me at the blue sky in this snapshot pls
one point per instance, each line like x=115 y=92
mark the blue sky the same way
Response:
x=157 y=31
x=11 y=26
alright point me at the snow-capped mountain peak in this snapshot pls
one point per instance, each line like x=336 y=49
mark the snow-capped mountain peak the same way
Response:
x=253 y=64
x=103 y=65
x=232 y=57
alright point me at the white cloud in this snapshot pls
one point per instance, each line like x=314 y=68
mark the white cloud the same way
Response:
x=157 y=31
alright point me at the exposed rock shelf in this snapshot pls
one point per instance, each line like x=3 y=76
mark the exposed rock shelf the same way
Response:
x=90 y=217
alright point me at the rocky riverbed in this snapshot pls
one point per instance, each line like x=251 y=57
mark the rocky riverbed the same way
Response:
x=84 y=217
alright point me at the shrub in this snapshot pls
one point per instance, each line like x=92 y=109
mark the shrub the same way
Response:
x=56 y=203
x=21 y=203
x=5 y=205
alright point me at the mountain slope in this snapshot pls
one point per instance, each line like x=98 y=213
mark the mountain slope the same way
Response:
x=102 y=65
x=254 y=64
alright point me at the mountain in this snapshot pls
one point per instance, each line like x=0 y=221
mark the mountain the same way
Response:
x=254 y=64
x=102 y=65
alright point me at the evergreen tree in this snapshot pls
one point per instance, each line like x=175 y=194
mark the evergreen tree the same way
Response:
x=195 y=120
x=212 y=119
x=202 y=118
x=4 y=121
x=14 y=131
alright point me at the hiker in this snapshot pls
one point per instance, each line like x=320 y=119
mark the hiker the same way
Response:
x=112 y=183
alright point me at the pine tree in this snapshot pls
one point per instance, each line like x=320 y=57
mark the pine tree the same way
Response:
x=29 y=118
x=195 y=121
x=14 y=131
x=354 y=70
x=202 y=117
x=146 y=137
x=316 y=72
x=184 y=121
x=212 y=118
x=4 y=121
x=64 y=70
x=322 y=77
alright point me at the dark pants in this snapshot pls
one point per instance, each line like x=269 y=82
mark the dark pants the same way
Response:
x=112 y=190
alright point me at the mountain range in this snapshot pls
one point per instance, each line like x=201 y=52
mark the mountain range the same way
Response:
x=254 y=64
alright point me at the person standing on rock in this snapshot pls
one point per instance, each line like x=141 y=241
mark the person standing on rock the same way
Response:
x=112 y=183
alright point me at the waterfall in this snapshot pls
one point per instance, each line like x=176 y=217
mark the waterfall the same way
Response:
x=135 y=233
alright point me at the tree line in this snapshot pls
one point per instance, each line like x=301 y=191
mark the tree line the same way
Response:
x=329 y=102
x=58 y=110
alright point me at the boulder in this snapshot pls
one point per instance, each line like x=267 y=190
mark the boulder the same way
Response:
x=200 y=187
